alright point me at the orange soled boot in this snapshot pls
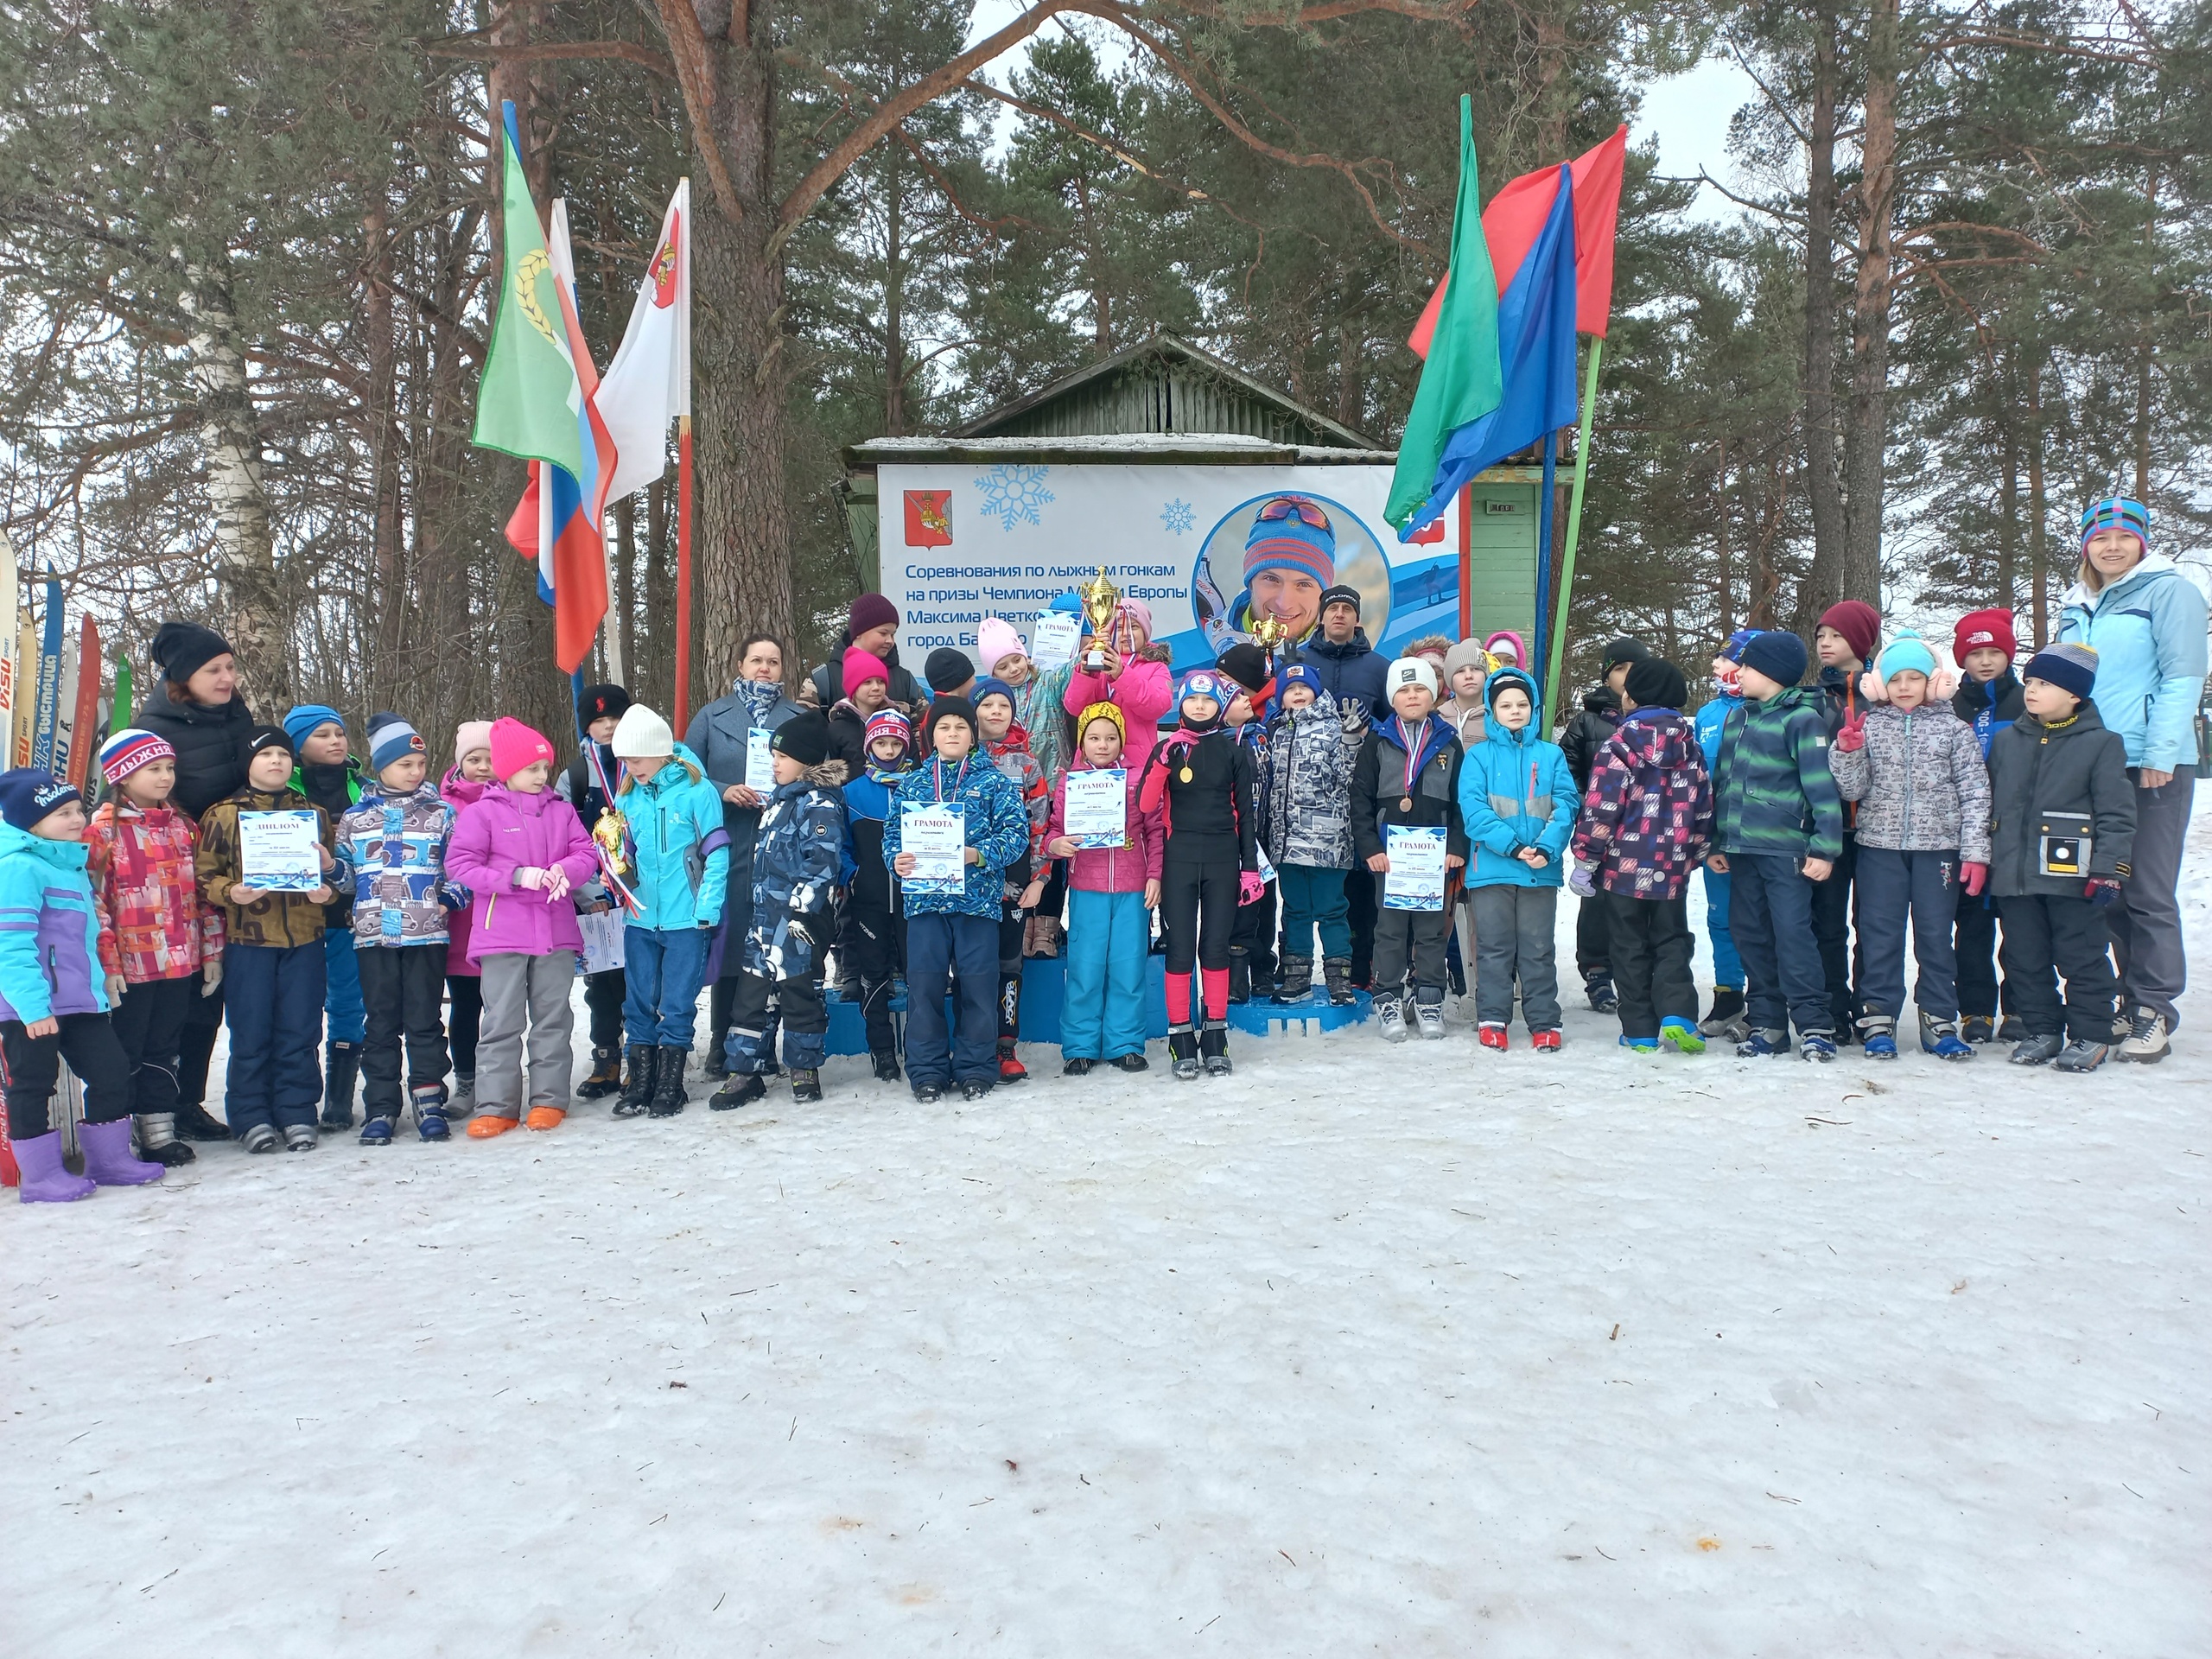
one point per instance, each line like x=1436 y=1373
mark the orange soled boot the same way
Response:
x=545 y=1118
x=485 y=1125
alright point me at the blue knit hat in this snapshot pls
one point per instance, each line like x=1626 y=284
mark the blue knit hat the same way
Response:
x=1907 y=653
x=2069 y=666
x=1202 y=682
x=2117 y=512
x=391 y=739
x=302 y=718
x=1070 y=604
x=1778 y=655
x=1733 y=651
x=1303 y=674
x=1291 y=533
x=991 y=686
x=29 y=793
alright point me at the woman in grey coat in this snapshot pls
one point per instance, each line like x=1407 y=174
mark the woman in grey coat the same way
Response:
x=720 y=735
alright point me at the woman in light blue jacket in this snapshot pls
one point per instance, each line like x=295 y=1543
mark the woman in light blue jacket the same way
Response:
x=2145 y=622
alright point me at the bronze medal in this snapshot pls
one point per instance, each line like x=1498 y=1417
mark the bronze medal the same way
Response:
x=1407 y=804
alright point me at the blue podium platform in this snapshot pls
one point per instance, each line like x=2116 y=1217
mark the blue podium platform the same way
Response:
x=1044 y=978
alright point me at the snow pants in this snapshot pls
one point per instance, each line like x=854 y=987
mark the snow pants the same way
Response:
x=1771 y=914
x=149 y=1022
x=274 y=993
x=2071 y=938
x=404 y=988
x=1893 y=886
x=871 y=948
x=342 y=1003
x=1834 y=913
x=1101 y=1010
x=2146 y=922
x=1973 y=944
x=1727 y=966
x=604 y=996
x=1314 y=900
x=525 y=991
x=1410 y=942
x=1593 y=946
x=1651 y=947
x=762 y=1005
x=1515 y=929
x=939 y=948
x=661 y=969
x=464 y=1020
x=31 y=1066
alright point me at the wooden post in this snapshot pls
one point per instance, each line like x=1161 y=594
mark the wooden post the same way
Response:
x=682 y=575
x=1558 y=652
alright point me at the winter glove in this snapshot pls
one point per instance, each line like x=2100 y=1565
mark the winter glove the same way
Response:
x=556 y=884
x=2100 y=891
x=1972 y=876
x=210 y=971
x=1853 y=737
x=1249 y=887
x=1583 y=881
x=116 y=985
x=529 y=876
x=799 y=930
x=1354 y=722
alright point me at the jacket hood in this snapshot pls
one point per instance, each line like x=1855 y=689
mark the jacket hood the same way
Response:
x=1514 y=676
x=1601 y=699
x=2151 y=565
x=830 y=774
x=1661 y=737
x=64 y=855
x=1791 y=697
x=460 y=791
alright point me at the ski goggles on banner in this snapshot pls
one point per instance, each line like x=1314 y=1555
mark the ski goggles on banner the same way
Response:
x=1292 y=507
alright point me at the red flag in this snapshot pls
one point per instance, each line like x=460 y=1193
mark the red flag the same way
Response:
x=1516 y=217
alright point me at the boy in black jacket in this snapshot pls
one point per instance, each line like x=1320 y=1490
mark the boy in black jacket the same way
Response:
x=1585 y=735
x=2061 y=828
x=1407 y=776
x=1988 y=699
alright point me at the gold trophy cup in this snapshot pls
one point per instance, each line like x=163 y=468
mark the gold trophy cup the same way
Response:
x=1268 y=633
x=1101 y=599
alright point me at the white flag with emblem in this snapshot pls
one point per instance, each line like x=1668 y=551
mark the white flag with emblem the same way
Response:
x=649 y=383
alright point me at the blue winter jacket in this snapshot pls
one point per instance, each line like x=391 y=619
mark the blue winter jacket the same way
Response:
x=1711 y=716
x=797 y=860
x=997 y=825
x=1516 y=791
x=2148 y=629
x=1351 y=672
x=682 y=851
x=49 y=929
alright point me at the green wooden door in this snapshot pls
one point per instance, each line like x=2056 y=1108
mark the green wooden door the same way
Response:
x=1502 y=558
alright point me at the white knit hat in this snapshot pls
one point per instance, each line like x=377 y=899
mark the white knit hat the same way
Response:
x=1409 y=670
x=641 y=734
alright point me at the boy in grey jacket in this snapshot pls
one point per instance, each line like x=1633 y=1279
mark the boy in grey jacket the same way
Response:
x=1915 y=770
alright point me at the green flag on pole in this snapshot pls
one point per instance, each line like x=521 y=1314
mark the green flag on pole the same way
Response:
x=529 y=399
x=1461 y=381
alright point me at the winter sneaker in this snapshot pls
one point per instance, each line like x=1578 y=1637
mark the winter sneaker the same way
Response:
x=195 y=1123
x=2146 y=1039
x=342 y=1067
x=1390 y=1017
x=2081 y=1057
x=1183 y=1052
x=1680 y=1035
x=1940 y=1038
x=376 y=1132
x=738 y=1091
x=260 y=1138
x=669 y=1097
x=2013 y=1030
x=606 y=1076
x=429 y=1104
x=2039 y=1051
x=1490 y=1034
x=157 y=1141
x=974 y=1089
x=1881 y=1037
x=806 y=1085
x=1297 y=979
x=1727 y=1012
x=1818 y=1045
x=1761 y=1044
x=1978 y=1028
x=300 y=1137
x=645 y=1064
x=1011 y=1070
x=1640 y=1044
x=462 y=1104
x=1430 y=1017
x=1544 y=1040
x=1598 y=987
x=1077 y=1067
x=1335 y=973
x=887 y=1067
x=108 y=1161
x=1213 y=1048
x=1134 y=1063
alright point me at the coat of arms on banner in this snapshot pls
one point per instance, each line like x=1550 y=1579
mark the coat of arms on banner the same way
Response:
x=929 y=518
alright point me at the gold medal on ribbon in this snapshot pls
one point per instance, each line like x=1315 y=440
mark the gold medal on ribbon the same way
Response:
x=1186 y=774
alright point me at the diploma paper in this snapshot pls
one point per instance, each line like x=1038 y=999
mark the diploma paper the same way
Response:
x=279 y=852
x=1053 y=639
x=1097 y=808
x=1415 y=879
x=602 y=931
x=937 y=834
x=759 y=761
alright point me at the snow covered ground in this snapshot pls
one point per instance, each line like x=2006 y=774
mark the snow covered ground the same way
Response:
x=1379 y=1351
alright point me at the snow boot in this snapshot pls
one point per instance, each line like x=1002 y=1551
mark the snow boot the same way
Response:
x=461 y=1106
x=1336 y=972
x=1762 y=1043
x=606 y=1076
x=927 y=1094
x=301 y=1137
x=108 y=1161
x=44 y=1180
x=1544 y=1040
x=342 y=1070
x=806 y=1085
x=485 y=1126
x=645 y=1067
x=2012 y=1029
x=974 y=1089
x=887 y=1067
x=2038 y=1051
x=1240 y=975
x=157 y=1141
x=1183 y=1052
x=543 y=1118
x=1978 y=1028
x=1297 y=979
x=2076 y=1057
x=716 y=1066
x=2145 y=1044
x=1390 y=1018
x=669 y=1097
x=195 y=1123
x=1816 y=1045
x=1429 y=1018
x=375 y=1131
x=1940 y=1038
x=1490 y=1034
x=1133 y=1062
x=1076 y=1067
x=1679 y=1034
x=1598 y=987
x=1011 y=1070
x=262 y=1138
x=1879 y=1036
x=1213 y=1048
x=1727 y=1020
x=429 y=1100
x=741 y=1090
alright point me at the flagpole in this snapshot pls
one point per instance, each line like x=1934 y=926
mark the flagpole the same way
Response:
x=683 y=573
x=1544 y=510
x=1573 y=520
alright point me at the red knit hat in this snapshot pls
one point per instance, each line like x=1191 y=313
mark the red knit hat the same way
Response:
x=1981 y=630
x=1860 y=624
x=515 y=746
x=862 y=665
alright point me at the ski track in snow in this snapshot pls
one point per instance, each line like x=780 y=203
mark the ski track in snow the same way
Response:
x=1321 y=1359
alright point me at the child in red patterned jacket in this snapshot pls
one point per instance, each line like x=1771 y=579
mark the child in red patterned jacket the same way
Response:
x=167 y=943
x=1646 y=823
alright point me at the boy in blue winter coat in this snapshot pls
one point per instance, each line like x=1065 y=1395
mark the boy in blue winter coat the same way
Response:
x=952 y=934
x=679 y=853
x=797 y=860
x=55 y=993
x=1726 y=1022
x=1517 y=798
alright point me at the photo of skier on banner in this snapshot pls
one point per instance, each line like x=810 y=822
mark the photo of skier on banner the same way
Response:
x=1294 y=547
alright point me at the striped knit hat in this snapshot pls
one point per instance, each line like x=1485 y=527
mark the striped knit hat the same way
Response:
x=2117 y=512
x=888 y=723
x=127 y=751
x=2069 y=666
x=1291 y=533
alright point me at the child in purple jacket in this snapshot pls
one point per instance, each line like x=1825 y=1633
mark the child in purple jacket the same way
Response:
x=1647 y=820
x=520 y=850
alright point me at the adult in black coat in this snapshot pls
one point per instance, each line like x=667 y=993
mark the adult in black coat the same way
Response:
x=872 y=624
x=1353 y=672
x=194 y=706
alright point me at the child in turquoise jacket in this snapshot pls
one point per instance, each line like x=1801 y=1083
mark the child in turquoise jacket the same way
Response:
x=1517 y=799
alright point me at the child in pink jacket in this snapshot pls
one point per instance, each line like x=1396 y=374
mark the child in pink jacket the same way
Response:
x=1112 y=892
x=519 y=851
x=1137 y=680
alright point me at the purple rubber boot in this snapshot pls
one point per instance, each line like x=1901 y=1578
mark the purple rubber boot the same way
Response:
x=44 y=1180
x=107 y=1155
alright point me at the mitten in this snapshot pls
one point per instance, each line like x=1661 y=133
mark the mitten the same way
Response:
x=1249 y=887
x=1972 y=876
x=1853 y=737
x=530 y=876
x=1583 y=881
x=2100 y=891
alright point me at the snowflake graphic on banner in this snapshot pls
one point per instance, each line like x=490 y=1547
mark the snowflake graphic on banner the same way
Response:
x=1178 y=516
x=1013 y=492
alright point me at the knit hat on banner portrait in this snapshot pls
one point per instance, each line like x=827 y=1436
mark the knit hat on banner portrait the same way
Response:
x=1291 y=533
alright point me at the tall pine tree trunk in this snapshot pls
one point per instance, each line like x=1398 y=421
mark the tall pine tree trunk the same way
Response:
x=1823 y=488
x=1866 y=439
x=2038 y=509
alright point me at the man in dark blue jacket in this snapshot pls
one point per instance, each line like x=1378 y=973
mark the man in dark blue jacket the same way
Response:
x=1352 y=671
